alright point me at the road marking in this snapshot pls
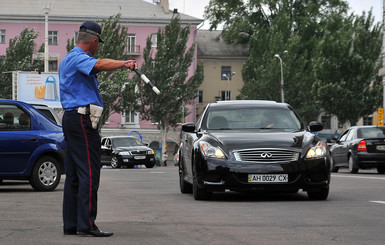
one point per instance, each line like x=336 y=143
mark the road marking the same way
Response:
x=381 y=202
x=358 y=177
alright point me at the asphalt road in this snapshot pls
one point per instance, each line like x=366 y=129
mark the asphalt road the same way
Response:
x=144 y=206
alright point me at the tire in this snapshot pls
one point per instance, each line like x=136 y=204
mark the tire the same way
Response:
x=200 y=193
x=115 y=162
x=150 y=165
x=318 y=195
x=381 y=170
x=352 y=165
x=46 y=174
x=185 y=187
x=333 y=168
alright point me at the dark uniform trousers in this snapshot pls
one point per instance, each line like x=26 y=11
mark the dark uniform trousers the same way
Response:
x=82 y=169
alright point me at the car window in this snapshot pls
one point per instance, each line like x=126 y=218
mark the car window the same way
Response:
x=13 y=118
x=252 y=118
x=351 y=135
x=126 y=141
x=344 y=135
x=371 y=133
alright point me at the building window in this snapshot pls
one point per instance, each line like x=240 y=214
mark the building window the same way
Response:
x=226 y=73
x=52 y=37
x=2 y=36
x=129 y=117
x=154 y=40
x=226 y=95
x=52 y=65
x=326 y=122
x=199 y=99
x=131 y=43
x=368 y=120
x=76 y=34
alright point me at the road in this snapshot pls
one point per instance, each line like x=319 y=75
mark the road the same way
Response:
x=144 y=206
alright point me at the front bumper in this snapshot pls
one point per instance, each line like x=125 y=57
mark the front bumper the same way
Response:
x=131 y=160
x=221 y=175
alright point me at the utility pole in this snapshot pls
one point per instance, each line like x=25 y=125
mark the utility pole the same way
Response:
x=382 y=70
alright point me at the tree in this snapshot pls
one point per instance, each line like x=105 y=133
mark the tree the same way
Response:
x=168 y=67
x=347 y=84
x=18 y=57
x=269 y=27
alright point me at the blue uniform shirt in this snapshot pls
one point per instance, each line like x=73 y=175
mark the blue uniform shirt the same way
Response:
x=78 y=83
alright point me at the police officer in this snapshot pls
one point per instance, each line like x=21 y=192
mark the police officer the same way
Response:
x=83 y=106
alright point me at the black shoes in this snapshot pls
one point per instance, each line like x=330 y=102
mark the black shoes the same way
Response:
x=95 y=233
x=70 y=232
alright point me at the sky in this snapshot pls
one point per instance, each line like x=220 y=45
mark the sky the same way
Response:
x=196 y=8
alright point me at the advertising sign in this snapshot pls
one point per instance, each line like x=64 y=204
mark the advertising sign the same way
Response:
x=37 y=88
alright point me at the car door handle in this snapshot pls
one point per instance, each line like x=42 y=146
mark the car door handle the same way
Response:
x=33 y=139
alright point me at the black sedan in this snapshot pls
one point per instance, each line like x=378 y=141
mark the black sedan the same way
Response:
x=253 y=146
x=127 y=151
x=360 y=147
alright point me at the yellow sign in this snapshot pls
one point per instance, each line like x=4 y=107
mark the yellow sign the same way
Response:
x=380 y=117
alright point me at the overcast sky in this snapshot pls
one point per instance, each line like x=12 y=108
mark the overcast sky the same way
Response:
x=196 y=7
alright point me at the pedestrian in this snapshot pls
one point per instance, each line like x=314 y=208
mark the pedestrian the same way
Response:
x=83 y=105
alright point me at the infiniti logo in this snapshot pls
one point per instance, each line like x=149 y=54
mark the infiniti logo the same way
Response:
x=266 y=155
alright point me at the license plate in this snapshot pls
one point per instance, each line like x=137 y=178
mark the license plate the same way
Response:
x=380 y=148
x=268 y=178
x=125 y=160
x=139 y=157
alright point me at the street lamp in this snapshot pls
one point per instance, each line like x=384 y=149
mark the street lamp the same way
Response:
x=47 y=6
x=282 y=82
x=228 y=82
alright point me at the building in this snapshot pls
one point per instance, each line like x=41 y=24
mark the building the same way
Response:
x=142 y=19
x=222 y=67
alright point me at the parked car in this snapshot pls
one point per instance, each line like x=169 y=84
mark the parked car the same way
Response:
x=253 y=146
x=32 y=147
x=127 y=151
x=360 y=147
x=48 y=112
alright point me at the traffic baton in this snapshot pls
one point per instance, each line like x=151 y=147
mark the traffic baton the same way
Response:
x=146 y=80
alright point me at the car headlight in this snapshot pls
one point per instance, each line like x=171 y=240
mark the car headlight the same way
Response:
x=125 y=153
x=210 y=151
x=317 y=151
x=150 y=152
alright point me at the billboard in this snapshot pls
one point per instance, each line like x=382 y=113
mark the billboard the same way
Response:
x=37 y=88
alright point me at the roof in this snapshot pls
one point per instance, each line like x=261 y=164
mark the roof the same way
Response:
x=209 y=46
x=227 y=103
x=133 y=11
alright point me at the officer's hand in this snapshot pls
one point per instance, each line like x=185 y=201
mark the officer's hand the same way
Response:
x=131 y=64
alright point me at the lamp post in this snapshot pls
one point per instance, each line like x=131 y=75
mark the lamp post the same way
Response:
x=47 y=6
x=228 y=81
x=282 y=82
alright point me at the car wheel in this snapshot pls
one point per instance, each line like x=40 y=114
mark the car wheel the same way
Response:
x=381 y=170
x=352 y=165
x=46 y=174
x=115 y=162
x=150 y=165
x=334 y=168
x=318 y=194
x=200 y=193
x=185 y=187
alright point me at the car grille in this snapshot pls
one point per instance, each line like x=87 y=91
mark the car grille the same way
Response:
x=137 y=152
x=266 y=155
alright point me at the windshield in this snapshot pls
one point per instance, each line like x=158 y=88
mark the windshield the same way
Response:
x=252 y=118
x=126 y=142
x=371 y=133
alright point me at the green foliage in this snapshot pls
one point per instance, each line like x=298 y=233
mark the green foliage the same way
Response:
x=316 y=34
x=168 y=68
x=18 y=58
x=117 y=91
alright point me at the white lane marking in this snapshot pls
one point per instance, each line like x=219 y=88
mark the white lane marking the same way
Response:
x=381 y=202
x=358 y=177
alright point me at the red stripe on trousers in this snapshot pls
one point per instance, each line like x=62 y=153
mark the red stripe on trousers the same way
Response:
x=89 y=167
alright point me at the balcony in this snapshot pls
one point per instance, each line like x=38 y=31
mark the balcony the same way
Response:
x=133 y=50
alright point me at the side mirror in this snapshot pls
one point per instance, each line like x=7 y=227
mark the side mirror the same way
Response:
x=188 y=127
x=315 y=126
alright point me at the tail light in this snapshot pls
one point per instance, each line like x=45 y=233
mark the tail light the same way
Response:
x=361 y=146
